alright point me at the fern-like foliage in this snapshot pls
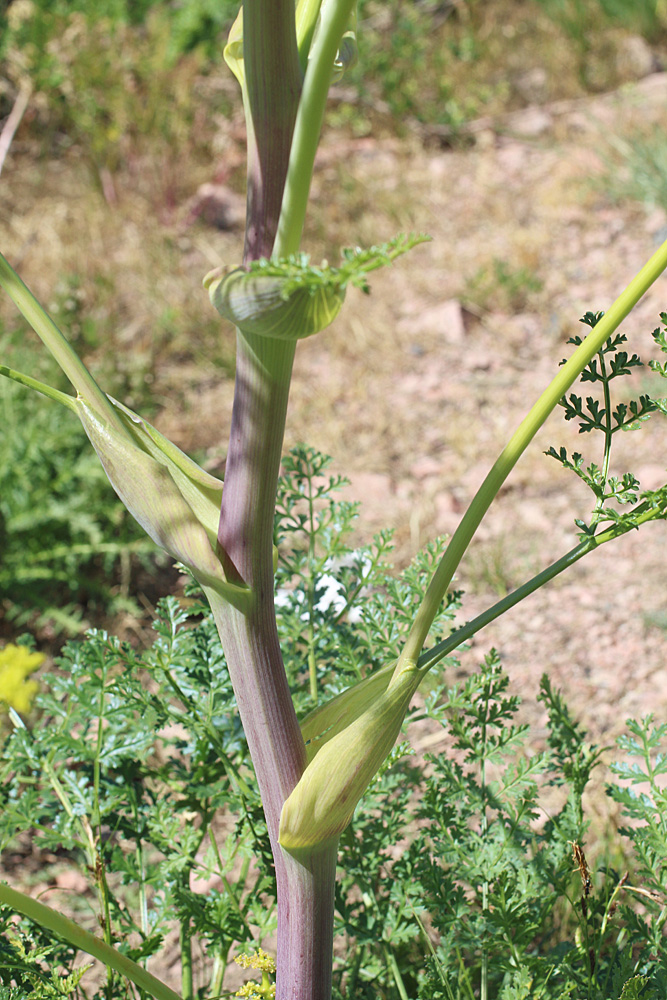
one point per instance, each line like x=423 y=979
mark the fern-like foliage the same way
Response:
x=619 y=499
x=355 y=264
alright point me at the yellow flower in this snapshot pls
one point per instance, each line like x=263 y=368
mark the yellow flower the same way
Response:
x=251 y=991
x=16 y=662
x=257 y=991
x=258 y=960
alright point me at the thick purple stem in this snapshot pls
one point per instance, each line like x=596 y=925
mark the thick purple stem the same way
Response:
x=273 y=88
x=250 y=641
x=245 y=533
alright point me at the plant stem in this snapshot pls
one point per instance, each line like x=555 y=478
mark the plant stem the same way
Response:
x=64 y=354
x=305 y=925
x=217 y=976
x=608 y=433
x=76 y=936
x=335 y=17
x=245 y=533
x=515 y=448
x=461 y=635
x=185 y=943
x=245 y=536
x=271 y=98
x=46 y=390
x=390 y=959
x=252 y=650
x=484 y=979
x=306 y=885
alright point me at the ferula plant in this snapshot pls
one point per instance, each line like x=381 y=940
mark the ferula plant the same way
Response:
x=312 y=773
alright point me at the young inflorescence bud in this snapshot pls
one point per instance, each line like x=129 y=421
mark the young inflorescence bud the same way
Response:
x=175 y=501
x=265 y=305
x=324 y=800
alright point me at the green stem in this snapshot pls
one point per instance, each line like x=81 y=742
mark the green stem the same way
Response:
x=643 y=514
x=141 y=867
x=608 y=421
x=484 y=983
x=46 y=390
x=434 y=956
x=76 y=936
x=335 y=18
x=351 y=984
x=515 y=448
x=217 y=975
x=608 y=433
x=185 y=941
x=390 y=959
x=62 y=351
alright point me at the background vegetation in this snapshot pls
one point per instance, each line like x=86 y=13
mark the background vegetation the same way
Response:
x=465 y=873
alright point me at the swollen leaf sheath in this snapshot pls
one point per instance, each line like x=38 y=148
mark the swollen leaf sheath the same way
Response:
x=258 y=304
x=164 y=500
x=329 y=719
x=324 y=800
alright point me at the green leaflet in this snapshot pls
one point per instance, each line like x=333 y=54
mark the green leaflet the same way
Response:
x=261 y=304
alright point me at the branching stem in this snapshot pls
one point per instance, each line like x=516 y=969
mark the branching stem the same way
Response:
x=515 y=448
x=644 y=513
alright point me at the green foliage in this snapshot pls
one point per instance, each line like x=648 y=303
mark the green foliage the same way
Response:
x=137 y=755
x=32 y=964
x=648 y=17
x=297 y=273
x=106 y=85
x=578 y=18
x=114 y=74
x=137 y=774
x=619 y=500
x=341 y=612
x=193 y=22
x=406 y=54
x=66 y=542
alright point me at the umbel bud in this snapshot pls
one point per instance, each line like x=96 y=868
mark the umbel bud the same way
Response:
x=329 y=719
x=324 y=800
x=270 y=306
x=175 y=501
